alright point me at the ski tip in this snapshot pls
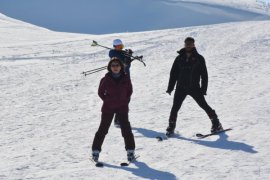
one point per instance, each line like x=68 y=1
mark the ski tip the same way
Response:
x=124 y=164
x=94 y=43
x=199 y=135
x=99 y=164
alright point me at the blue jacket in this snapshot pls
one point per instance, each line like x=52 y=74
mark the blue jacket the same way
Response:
x=122 y=57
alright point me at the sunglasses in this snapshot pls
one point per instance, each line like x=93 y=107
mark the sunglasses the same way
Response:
x=115 y=65
x=119 y=46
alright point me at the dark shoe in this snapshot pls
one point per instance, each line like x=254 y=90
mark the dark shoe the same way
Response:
x=95 y=155
x=130 y=155
x=216 y=128
x=170 y=129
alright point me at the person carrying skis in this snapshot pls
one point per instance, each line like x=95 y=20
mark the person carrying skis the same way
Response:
x=115 y=90
x=124 y=57
x=188 y=70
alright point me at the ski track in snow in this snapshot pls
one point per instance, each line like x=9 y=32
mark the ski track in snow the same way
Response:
x=50 y=112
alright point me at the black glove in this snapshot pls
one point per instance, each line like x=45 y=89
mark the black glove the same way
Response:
x=203 y=92
x=169 y=92
x=129 y=51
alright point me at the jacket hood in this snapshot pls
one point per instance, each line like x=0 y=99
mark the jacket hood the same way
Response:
x=183 y=50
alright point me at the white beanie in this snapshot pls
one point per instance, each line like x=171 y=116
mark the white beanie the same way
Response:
x=117 y=42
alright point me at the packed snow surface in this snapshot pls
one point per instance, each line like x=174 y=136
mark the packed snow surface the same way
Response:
x=50 y=112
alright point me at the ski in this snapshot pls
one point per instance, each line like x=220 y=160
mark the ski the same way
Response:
x=128 y=163
x=201 y=136
x=97 y=163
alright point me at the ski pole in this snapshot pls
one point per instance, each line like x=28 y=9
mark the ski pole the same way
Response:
x=94 y=70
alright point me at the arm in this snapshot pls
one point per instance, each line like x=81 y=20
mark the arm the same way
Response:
x=204 y=77
x=111 y=54
x=130 y=89
x=173 y=76
x=101 y=90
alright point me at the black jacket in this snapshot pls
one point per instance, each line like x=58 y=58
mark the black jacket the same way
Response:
x=188 y=72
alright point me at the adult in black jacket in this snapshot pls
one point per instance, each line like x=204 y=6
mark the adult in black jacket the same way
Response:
x=190 y=73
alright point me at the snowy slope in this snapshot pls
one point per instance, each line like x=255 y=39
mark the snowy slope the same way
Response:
x=113 y=16
x=49 y=112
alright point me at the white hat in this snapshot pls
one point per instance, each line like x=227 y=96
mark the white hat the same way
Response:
x=117 y=42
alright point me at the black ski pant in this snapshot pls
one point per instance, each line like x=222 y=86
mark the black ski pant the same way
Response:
x=180 y=96
x=106 y=120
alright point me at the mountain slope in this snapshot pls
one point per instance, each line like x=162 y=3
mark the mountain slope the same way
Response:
x=49 y=112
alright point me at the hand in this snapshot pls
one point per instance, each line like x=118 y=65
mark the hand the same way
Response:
x=129 y=51
x=169 y=92
x=204 y=93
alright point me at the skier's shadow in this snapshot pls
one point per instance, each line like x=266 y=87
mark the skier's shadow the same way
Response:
x=221 y=143
x=144 y=171
x=148 y=133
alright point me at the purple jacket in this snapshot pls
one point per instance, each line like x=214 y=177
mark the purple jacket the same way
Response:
x=115 y=93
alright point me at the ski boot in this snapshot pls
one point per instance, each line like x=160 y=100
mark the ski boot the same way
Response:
x=130 y=155
x=170 y=129
x=95 y=155
x=216 y=126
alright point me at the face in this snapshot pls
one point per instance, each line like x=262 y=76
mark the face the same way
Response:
x=118 y=47
x=189 y=46
x=115 y=67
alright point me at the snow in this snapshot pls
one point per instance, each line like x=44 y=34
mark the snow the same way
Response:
x=50 y=112
x=106 y=17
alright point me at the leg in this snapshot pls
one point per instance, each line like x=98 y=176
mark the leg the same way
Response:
x=179 y=97
x=126 y=131
x=106 y=120
x=199 y=98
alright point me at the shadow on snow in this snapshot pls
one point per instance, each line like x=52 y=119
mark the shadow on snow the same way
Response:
x=221 y=143
x=144 y=171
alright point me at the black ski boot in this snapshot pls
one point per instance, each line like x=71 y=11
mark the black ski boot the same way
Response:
x=216 y=126
x=130 y=155
x=170 y=129
x=95 y=155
